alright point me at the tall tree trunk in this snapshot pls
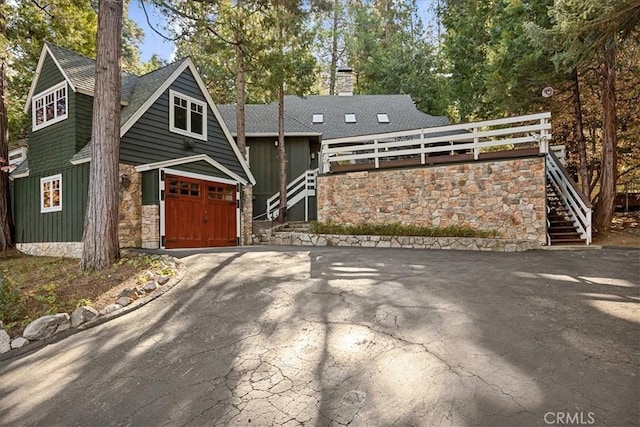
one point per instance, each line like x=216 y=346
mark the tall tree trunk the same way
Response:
x=578 y=133
x=606 y=201
x=6 y=222
x=334 y=48
x=282 y=156
x=101 y=222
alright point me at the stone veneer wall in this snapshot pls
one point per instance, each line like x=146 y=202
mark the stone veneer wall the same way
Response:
x=130 y=208
x=246 y=220
x=57 y=249
x=151 y=226
x=503 y=195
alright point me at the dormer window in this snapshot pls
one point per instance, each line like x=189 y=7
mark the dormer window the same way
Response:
x=187 y=116
x=318 y=118
x=49 y=107
x=383 y=118
x=350 y=118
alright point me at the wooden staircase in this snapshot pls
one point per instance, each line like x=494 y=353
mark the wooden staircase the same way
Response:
x=561 y=228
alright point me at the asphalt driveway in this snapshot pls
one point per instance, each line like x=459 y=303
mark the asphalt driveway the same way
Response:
x=333 y=336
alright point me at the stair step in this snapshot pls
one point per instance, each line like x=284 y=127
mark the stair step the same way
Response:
x=568 y=242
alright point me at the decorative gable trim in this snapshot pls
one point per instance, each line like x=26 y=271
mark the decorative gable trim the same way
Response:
x=43 y=55
x=191 y=159
x=187 y=63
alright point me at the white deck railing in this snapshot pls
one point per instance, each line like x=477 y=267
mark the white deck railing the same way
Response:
x=301 y=188
x=576 y=203
x=464 y=138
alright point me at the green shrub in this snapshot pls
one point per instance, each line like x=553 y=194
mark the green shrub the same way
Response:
x=396 y=229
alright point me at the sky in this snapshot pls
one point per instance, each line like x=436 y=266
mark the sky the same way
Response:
x=156 y=44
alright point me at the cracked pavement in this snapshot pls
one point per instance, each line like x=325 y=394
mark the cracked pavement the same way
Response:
x=339 y=336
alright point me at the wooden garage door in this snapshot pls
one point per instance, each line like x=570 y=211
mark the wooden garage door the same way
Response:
x=199 y=213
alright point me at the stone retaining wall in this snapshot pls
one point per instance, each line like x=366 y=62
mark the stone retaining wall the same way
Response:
x=57 y=249
x=412 y=242
x=507 y=196
x=246 y=220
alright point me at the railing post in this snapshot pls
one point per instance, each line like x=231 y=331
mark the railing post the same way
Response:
x=326 y=165
x=423 y=155
x=476 y=149
x=376 y=159
x=544 y=144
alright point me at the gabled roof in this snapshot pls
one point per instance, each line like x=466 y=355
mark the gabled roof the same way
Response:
x=402 y=113
x=21 y=171
x=138 y=93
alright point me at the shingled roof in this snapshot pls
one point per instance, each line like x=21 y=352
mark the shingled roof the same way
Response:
x=401 y=112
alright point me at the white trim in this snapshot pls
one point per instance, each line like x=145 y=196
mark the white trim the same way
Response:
x=36 y=75
x=152 y=99
x=19 y=175
x=81 y=161
x=188 y=132
x=43 y=96
x=271 y=134
x=191 y=159
x=194 y=175
x=50 y=179
x=22 y=151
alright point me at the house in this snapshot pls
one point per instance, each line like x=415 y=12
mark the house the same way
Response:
x=311 y=121
x=181 y=172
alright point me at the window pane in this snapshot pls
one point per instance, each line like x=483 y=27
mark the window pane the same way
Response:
x=184 y=188
x=196 y=123
x=46 y=194
x=173 y=187
x=40 y=116
x=195 y=189
x=180 y=117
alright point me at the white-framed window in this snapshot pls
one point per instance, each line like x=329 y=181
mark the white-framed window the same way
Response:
x=187 y=116
x=318 y=118
x=49 y=107
x=51 y=193
x=349 y=118
x=383 y=118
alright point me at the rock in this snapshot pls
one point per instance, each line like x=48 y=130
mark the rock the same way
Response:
x=63 y=323
x=150 y=287
x=123 y=301
x=82 y=315
x=129 y=293
x=162 y=279
x=19 y=342
x=110 y=308
x=41 y=328
x=5 y=341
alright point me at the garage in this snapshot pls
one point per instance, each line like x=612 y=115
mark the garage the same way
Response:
x=199 y=213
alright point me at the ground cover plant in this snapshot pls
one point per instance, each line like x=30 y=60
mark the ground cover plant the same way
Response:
x=32 y=286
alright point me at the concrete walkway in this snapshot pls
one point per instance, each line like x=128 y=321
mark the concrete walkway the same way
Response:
x=332 y=336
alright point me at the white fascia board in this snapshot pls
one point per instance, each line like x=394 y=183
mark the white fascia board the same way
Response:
x=36 y=75
x=223 y=125
x=191 y=159
x=81 y=161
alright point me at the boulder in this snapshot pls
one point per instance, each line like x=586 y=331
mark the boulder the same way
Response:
x=123 y=301
x=110 y=308
x=5 y=341
x=150 y=287
x=19 y=342
x=41 y=328
x=82 y=315
x=129 y=293
x=162 y=279
x=64 y=322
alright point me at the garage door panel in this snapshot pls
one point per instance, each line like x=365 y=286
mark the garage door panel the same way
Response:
x=199 y=213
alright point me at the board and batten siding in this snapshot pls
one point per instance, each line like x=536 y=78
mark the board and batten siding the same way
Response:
x=51 y=147
x=149 y=139
x=61 y=226
x=263 y=160
x=84 y=120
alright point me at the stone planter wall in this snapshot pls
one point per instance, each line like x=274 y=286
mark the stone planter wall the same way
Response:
x=246 y=220
x=411 y=242
x=503 y=195
x=57 y=249
x=130 y=208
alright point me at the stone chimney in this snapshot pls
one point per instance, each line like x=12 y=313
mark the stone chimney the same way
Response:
x=344 y=81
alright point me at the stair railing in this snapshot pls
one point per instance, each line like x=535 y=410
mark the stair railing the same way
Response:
x=577 y=204
x=301 y=188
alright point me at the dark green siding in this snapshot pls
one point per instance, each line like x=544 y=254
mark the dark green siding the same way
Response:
x=202 y=168
x=50 y=148
x=63 y=226
x=150 y=183
x=149 y=140
x=84 y=117
x=263 y=160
